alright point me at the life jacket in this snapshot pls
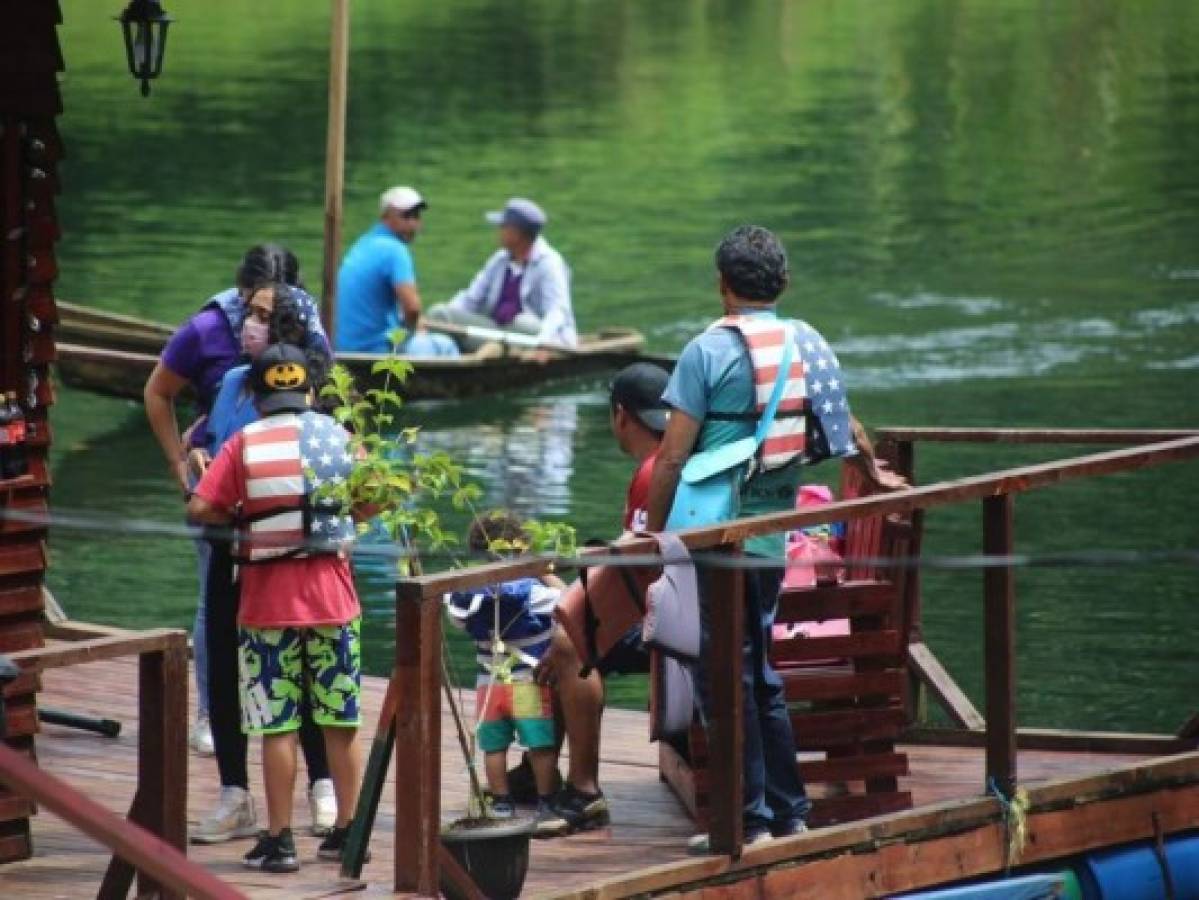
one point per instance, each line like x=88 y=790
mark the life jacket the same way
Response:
x=764 y=339
x=285 y=458
x=518 y=614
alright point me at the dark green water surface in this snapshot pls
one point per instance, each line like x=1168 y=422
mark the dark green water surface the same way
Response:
x=992 y=210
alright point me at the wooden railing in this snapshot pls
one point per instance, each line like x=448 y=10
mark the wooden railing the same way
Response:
x=154 y=839
x=418 y=635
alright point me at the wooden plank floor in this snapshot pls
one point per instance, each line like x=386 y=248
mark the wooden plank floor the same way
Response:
x=649 y=827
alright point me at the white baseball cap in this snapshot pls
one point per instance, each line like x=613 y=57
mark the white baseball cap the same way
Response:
x=405 y=199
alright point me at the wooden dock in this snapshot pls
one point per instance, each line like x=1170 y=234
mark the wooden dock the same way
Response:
x=649 y=825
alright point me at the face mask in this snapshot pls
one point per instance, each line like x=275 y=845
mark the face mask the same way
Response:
x=254 y=338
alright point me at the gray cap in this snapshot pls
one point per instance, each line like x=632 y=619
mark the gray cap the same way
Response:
x=524 y=214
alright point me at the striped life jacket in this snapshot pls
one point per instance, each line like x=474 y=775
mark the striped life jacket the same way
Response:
x=286 y=457
x=764 y=339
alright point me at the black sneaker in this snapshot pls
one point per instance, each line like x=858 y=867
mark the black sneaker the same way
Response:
x=273 y=854
x=549 y=823
x=522 y=785
x=583 y=812
x=333 y=847
x=503 y=807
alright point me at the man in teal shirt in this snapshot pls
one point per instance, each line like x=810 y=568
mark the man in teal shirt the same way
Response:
x=376 y=284
x=712 y=397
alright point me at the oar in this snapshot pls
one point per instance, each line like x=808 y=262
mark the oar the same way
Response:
x=499 y=336
x=531 y=342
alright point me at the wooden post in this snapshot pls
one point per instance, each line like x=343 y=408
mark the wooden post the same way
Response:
x=999 y=588
x=724 y=594
x=417 y=744
x=162 y=751
x=335 y=158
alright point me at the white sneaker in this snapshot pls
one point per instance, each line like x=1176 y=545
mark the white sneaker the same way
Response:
x=232 y=818
x=700 y=844
x=322 y=803
x=200 y=739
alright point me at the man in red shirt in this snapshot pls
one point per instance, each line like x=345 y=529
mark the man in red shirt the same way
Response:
x=638 y=419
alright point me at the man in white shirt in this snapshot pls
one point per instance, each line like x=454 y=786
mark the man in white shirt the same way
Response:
x=524 y=287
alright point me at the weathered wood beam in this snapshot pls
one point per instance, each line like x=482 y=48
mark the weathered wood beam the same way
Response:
x=150 y=854
x=162 y=752
x=1127 y=436
x=418 y=746
x=934 y=676
x=1054 y=739
x=71 y=630
x=999 y=645
x=979 y=487
x=96 y=649
x=1116 y=804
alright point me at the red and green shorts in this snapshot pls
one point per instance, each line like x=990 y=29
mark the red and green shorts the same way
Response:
x=521 y=710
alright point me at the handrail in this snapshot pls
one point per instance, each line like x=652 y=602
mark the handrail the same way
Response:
x=977 y=487
x=145 y=850
x=160 y=804
x=1033 y=435
x=418 y=638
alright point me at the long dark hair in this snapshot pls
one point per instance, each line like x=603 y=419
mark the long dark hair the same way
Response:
x=289 y=325
x=265 y=263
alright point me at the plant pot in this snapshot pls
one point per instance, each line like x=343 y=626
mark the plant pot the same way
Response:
x=494 y=852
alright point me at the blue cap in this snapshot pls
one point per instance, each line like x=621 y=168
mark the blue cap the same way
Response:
x=524 y=214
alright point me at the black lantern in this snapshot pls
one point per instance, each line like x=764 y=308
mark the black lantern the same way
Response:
x=144 y=25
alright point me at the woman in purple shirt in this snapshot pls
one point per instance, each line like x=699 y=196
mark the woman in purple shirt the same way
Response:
x=197 y=356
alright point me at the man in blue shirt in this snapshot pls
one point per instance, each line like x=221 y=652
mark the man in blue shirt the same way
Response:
x=376 y=285
x=712 y=395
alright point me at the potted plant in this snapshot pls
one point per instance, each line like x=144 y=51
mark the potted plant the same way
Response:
x=406 y=488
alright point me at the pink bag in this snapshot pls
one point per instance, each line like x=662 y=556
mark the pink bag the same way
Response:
x=813 y=557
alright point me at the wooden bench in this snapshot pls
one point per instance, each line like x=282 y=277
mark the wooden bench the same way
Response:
x=848 y=693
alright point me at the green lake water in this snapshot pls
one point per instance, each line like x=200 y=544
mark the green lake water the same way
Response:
x=992 y=210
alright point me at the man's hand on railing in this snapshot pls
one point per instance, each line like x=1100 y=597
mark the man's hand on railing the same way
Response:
x=885 y=479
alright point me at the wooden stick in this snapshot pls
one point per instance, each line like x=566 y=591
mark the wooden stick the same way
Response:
x=335 y=158
x=999 y=652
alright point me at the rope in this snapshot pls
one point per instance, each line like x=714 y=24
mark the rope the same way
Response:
x=1015 y=822
x=115 y=526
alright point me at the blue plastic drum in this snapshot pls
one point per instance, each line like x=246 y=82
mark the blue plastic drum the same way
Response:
x=1133 y=873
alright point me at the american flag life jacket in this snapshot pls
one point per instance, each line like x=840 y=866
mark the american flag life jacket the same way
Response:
x=286 y=458
x=764 y=339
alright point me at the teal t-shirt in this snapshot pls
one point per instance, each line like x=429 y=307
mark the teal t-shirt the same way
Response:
x=374 y=267
x=714 y=374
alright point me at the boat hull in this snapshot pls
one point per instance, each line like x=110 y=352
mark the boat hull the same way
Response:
x=123 y=373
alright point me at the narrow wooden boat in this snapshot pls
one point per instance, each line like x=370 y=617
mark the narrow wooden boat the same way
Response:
x=113 y=354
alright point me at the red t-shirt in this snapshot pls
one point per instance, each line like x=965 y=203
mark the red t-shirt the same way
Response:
x=636 y=504
x=316 y=590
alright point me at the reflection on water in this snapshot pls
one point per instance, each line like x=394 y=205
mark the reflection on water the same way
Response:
x=992 y=212
x=525 y=463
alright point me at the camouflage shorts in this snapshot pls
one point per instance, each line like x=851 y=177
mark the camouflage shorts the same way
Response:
x=278 y=667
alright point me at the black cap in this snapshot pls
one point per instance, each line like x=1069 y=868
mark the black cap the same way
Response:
x=280 y=379
x=638 y=388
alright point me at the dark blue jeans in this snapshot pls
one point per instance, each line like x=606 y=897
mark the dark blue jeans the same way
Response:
x=775 y=798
